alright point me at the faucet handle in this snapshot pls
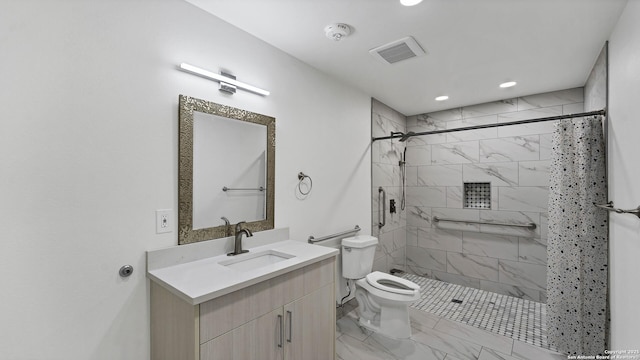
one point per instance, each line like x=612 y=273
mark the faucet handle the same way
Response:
x=239 y=225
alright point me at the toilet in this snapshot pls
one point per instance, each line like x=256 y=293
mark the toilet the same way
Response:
x=383 y=299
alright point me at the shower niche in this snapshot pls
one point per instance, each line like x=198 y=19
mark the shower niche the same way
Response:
x=477 y=195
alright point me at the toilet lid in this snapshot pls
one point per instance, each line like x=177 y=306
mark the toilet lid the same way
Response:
x=390 y=283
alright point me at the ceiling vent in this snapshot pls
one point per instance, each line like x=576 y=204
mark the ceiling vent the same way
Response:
x=403 y=49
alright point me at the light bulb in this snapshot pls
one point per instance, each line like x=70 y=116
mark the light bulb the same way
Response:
x=410 y=2
x=508 y=84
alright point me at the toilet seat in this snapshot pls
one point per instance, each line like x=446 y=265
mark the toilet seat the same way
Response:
x=392 y=284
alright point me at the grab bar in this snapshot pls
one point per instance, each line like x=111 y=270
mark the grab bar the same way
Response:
x=232 y=189
x=384 y=207
x=609 y=207
x=323 y=238
x=530 y=226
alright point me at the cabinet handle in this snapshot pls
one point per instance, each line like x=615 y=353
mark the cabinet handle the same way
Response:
x=281 y=330
x=290 y=315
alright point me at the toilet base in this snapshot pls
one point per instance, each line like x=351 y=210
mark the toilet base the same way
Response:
x=393 y=326
x=389 y=318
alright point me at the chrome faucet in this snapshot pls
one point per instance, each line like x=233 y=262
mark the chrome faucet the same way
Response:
x=237 y=248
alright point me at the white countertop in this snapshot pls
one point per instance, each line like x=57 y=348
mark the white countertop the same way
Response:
x=205 y=279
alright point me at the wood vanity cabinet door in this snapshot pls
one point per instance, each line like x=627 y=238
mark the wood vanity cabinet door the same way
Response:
x=266 y=335
x=218 y=349
x=256 y=340
x=310 y=326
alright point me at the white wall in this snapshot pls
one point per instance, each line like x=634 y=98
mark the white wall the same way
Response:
x=624 y=172
x=88 y=152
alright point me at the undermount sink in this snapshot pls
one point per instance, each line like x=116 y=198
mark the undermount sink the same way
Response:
x=252 y=261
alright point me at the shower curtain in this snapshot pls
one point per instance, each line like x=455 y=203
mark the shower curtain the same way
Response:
x=577 y=270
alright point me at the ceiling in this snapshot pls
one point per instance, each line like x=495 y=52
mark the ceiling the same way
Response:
x=472 y=45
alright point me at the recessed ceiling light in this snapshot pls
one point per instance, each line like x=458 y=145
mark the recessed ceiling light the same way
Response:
x=508 y=84
x=410 y=2
x=442 y=98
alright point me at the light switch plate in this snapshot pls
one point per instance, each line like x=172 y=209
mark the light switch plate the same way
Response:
x=164 y=221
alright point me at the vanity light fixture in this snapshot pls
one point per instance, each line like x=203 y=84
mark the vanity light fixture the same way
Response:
x=226 y=82
x=508 y=84
x=410 y=2
x=442 y=98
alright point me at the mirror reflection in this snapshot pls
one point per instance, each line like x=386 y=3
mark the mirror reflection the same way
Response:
x=226 y=170
x=238 y=192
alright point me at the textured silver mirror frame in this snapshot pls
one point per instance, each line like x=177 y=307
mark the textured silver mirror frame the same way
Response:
x=187 y=105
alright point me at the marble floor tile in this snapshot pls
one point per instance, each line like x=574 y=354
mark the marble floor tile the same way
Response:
x=481 y=337
x=350 y=348
x=519 y=319
x=447 y=343
x=348 y=325
x=451 y=357
x=526 y=351
x=445 y=333
x=408 y=349
x=490 y=354
x=422 y=319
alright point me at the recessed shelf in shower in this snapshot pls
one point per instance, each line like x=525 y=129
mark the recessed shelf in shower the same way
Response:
x=477 y=195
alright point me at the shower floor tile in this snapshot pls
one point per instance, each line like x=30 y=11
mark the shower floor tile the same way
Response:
x=519 y=319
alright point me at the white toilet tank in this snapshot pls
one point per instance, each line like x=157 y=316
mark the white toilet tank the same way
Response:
x=357 y=256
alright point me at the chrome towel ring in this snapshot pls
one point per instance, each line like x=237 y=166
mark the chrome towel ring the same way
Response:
x=301 y=177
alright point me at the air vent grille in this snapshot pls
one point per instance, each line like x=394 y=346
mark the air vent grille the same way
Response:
x=393 y=52
x=397 y=53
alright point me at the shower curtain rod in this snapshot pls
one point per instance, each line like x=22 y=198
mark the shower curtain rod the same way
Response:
x=475 y=127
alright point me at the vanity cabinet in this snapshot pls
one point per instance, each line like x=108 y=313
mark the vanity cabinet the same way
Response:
x=307 y=321
x=291 y=316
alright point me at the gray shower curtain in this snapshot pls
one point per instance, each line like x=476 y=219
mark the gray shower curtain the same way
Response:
x=577 y=248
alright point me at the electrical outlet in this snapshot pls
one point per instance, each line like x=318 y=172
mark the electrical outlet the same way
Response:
x=164 y=221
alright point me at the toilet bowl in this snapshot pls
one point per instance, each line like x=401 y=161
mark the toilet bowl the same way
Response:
x=383 y=302
x=383 y=299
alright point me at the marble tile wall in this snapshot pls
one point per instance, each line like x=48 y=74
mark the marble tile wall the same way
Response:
x=514 y=159
x=385 y=168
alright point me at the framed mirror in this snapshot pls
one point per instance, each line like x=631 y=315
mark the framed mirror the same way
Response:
x=226 y=170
